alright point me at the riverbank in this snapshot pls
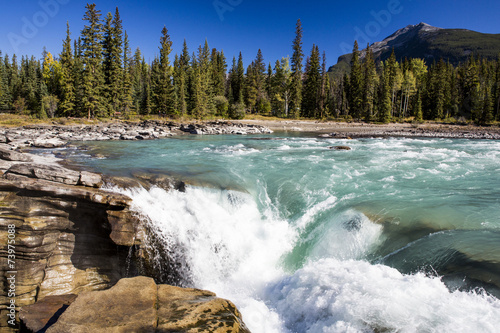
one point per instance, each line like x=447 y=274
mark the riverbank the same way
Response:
x=55 y=135
x=356 y=130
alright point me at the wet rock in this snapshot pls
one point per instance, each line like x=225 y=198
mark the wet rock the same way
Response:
x=340 y=148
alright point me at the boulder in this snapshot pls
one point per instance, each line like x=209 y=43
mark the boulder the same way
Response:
x=90 y=179
x=48 y=142
x=139 y=305
x=340 y=148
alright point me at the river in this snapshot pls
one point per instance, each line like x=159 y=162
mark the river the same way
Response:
x=394 y=235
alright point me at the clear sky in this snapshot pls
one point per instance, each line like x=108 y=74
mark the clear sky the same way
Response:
x=26 y=26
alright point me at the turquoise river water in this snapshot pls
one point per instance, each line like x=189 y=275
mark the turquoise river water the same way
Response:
x=395 y=235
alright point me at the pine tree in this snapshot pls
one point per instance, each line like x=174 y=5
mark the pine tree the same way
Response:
x=77 y=73
x=67 y=96
x=312 y=85
x=218 y=72
x=296 y=83
x=113 y=70
x=496 y=94
x=137 y=81
x=206 y=93
x=164 y=94
x=5 y=95
x=385 y=107
x=324 y=89
x=127 y=91
x=237 y=81
x=356 y=84
x=370 y=84
x=93 y=78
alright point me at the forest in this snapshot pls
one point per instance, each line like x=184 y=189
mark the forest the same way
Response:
x=97 y=76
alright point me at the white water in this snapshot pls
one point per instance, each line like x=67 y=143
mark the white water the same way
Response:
x=237 y=251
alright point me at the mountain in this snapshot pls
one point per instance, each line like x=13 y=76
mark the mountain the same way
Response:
x=430 y=43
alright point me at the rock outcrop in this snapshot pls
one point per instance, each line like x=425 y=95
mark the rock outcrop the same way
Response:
x=70 y=236
x=54 y=136
x=137 y=305
x=223 y=127
x=74 y=238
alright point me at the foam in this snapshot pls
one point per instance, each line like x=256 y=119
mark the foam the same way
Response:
x=330 y=295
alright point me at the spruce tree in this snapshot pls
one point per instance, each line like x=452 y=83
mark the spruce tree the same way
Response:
x=164 y=94
x=370 y=84
x=5 y=95
x=93 y=77
x=496 y=94
x=296 y=63
x=356 y=84
x=67 y=97
x=113 y=65
x=237 y=81
x=127 y=89
x=385 y=107
x=324 y=89
x=312 y=85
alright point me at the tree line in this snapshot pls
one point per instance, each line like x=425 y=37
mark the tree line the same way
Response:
x=96 y=75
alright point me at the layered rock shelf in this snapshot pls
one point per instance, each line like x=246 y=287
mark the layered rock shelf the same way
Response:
x=73 y=238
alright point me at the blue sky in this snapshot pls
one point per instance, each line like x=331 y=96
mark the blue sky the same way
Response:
x=26 y=26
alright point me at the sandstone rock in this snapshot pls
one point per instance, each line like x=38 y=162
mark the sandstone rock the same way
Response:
x=56 y=174
x=139 y=305
x=90 y=179
x=63 y=241
x=45 y=312
x=47 y=172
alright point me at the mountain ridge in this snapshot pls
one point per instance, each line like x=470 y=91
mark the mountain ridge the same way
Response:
x=429 y=43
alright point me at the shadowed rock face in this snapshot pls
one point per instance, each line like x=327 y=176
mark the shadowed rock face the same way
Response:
x=72 y=238
x=139 y=305
x=69 y=237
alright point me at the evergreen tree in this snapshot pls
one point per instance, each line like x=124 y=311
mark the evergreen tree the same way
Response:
x=251 y=87
x=93 y=78
x=356 y=84
x=385 y=106
x=237 y=81
x=206 y=93
x=324 y=89
x=78 y=71
x=312 y=85
x=164 y=94
x=5 y=95
x=113 y=70
x=370 y=84
x=218 y=72
x=127 y=89
x=496 y=94
x=183 y=79
x=296 y=82
x=137 y=81
x=67 y=96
